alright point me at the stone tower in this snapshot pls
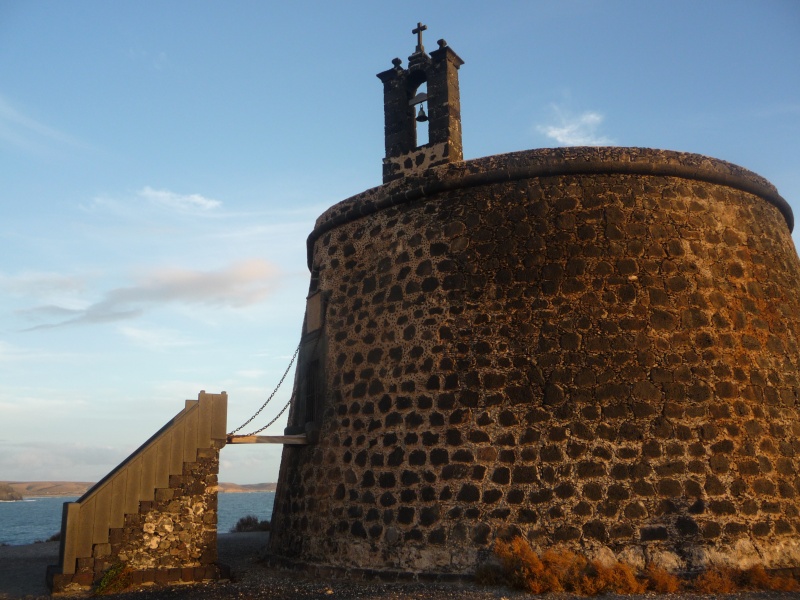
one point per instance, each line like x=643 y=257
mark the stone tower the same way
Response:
x=591 y=347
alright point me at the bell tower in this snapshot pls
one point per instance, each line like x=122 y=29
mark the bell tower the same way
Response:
x=439 y=71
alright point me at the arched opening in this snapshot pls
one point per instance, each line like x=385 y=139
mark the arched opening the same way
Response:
x=420 y=105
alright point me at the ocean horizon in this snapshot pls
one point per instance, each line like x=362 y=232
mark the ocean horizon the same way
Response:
x=32 y=520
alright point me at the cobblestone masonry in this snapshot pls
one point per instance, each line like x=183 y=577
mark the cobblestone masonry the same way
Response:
x=591 y=347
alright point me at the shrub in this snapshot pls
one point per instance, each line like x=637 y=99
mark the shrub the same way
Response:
x=564 y=571
x=521 y=566
x=116 y=579
x=757 y=578
x=717 y=580
x=249 y=524
x=552 y=572
x=619 y=578
x=660 y=580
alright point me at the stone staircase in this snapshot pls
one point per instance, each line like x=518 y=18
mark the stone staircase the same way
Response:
x=153 y=519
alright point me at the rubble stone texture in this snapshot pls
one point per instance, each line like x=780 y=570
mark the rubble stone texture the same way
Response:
x=179 y=528
x=172 y=539
x=590 y=347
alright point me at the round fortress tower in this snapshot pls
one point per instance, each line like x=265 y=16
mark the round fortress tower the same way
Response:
x=589 y=347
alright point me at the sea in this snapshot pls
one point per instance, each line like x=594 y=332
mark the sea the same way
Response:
x=36 y=519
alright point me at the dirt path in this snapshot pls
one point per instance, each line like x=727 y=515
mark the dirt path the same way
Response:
x=22 y=572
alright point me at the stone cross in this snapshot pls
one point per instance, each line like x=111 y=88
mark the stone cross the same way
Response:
x=420 y=28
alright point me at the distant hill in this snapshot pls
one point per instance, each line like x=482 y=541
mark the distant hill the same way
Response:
x=8 y=494
x=29 y=489
x=235 y=488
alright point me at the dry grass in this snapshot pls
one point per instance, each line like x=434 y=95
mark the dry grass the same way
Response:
x=619 y=578
x=661 y=581
x=717 y=580
x=552 y=572
x=565 y=571
x=721 y=580
x=757 y=578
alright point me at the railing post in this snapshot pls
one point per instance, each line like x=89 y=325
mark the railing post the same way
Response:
x=219 y=422
x=67 y=551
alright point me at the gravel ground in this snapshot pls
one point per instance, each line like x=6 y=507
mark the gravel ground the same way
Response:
x=22 y=571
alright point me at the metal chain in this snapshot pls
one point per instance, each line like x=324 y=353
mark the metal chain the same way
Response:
x=278 y=416
x=258 y=412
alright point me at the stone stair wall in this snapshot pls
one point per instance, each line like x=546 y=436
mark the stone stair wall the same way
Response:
x=154 y=517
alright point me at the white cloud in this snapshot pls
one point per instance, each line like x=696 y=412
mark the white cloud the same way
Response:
x=26 y=133
x=567 y=129
x=180 y=202
x=239 y=285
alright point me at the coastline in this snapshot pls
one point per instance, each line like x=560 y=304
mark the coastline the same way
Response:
x=38 y=518
x=60 y=489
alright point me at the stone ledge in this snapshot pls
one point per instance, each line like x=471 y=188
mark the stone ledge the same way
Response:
x=549 y=162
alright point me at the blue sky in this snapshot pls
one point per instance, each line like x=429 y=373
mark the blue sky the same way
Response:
x=161 y=165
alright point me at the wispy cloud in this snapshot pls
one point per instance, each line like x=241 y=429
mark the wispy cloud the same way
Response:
x=239 y=285
x=40 y=283
x=47 y=311
x=57 y=296
x=142 y=204
x=568 y=129
x=179 y=202
x=23 y=132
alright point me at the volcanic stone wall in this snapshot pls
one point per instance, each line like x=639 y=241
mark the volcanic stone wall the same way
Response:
x=596 y=348
x=172 y=539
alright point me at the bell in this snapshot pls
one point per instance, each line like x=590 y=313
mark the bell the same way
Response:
x=421 y=117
